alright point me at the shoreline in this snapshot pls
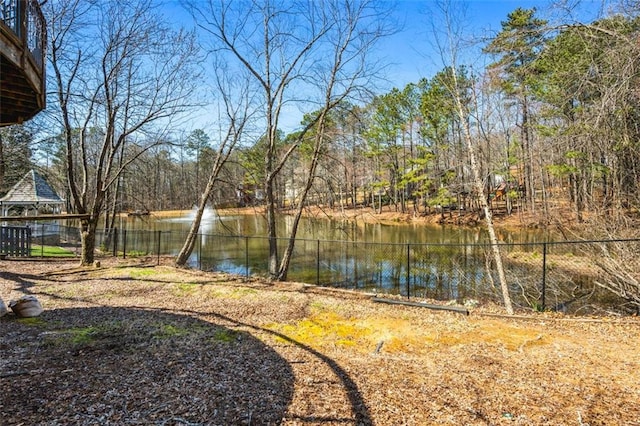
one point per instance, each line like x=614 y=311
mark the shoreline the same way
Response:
x=515 y=221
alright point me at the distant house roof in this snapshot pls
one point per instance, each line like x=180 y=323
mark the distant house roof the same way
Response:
x=32 y=190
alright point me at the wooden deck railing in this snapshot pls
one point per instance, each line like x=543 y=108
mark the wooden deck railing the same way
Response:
x=23 y=39
x=25 y=19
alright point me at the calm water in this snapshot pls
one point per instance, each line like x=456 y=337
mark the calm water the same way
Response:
x=428 y=261
x=419 y=260
x=325 y=229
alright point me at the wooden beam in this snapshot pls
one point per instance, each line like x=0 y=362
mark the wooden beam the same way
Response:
x=457 y=309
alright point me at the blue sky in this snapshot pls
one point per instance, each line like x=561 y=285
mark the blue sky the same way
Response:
x=412 y=49
x=410 y=52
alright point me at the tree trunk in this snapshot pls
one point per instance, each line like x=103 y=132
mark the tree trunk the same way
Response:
x=88 y=239
x=526 y=148
x=479 y=187
x=111 y=213
x=493 y=239
x=271 y=228
x=286 y=258
x=192 y=236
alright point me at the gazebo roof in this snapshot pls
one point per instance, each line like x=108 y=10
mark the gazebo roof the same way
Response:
x=32 y=189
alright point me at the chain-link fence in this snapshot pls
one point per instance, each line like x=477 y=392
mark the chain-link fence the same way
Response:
x=573 y=276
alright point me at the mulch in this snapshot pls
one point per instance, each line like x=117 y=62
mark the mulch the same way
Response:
x=132 y=343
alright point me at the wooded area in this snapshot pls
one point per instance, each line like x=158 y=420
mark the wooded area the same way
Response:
x=551 y=126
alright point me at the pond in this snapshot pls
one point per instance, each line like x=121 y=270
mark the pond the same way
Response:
x=424 y=261
x=254 y=225
x=439 y=262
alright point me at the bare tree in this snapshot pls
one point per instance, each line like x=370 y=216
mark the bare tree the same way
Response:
x=297 y=57
x=620 y=273
x=464 y=98
x=236 y=99
x=115 y=67
x=346 y=70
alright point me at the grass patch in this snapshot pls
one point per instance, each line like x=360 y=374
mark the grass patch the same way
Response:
x=120 y=335
x=167 y=331
x=396 y=335
x=319 y=306
x=185 y=289
x=142 y=272
x=224 y=335
x=83 y=336
x=241 y=292
x=32 y=321
x=327 y=327
x=75 y=337
x=50 y=251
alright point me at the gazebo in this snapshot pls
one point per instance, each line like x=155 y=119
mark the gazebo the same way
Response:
x=30 y=196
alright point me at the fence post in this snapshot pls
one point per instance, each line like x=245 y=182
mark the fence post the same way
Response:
x=246 y=256
x=544 y=275
x=318 y=262
x=41 y=241
x=28 y=242
x=200 y=252
x=355 y=264
x=408 y=271
x=159 y=239
x=124 y=244
x=115 y=242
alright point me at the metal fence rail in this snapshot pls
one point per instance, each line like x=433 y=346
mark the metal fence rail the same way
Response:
x=569 y=276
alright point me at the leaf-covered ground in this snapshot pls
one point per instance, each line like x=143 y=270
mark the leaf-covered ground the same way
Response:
x=130 y=343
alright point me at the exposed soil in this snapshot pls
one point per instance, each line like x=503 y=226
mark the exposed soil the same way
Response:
x=133 y=343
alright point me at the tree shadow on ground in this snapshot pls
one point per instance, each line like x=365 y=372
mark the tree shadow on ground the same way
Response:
x=24 y=282
x=113 y=365
x=133 y=366
x=359 y=409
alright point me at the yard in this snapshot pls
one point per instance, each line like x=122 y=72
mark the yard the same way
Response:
x=134 y=343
